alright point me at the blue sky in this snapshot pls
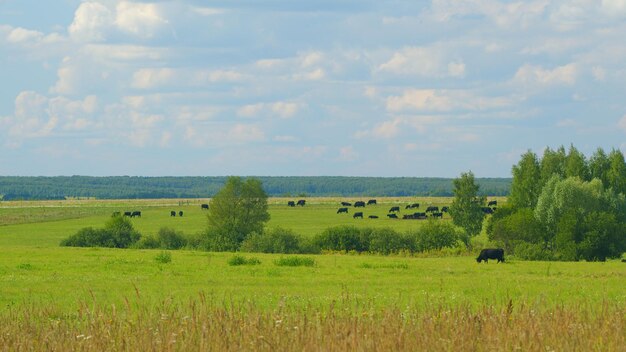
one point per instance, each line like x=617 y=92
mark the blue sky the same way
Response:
x=342 y=87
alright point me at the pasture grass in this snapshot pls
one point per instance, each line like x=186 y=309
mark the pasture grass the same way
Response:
x=206 y=325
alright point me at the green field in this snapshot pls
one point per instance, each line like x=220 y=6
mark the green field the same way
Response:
x=61 y=281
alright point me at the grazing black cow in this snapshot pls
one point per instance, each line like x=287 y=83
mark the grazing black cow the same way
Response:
x=360 y=204
x=491 y=253
x=408 y=207
x=392 y=216
x=204 y=206
x=408 y=216
x=371 y=202
x=420 y=216
x=373 y=216
x=116 y=213
x=437 y=215
x=358 y=214
x=394 y=209
x=135 y=213
x=180 y=213
x=291 y=203
x=346 y=204
x=172 y=213
x=342 y=210
x=301 y=202
x=413 y=206
x=492 y=203
x=128 y=213
x=445 y=209
x=487 y=210
x=432 y=209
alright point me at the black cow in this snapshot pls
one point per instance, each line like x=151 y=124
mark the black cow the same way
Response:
x=291 y=203
x=360 y=204
x=491 y=253
x=301 y=202
x=135 y=213
x=180 y=213
x=445 y=209
x=492 y=203
x=392 y=216
x=393 y=209
x=437 y=215
x=204 y=206
x=128 y=213
x=342 y=210
x=172 y=213
x=371 y=202
x=408 y=216
x=487 y=210
x=358 y=214
x=420 y=216
x=346 y=204
x=373 y=216
x=432 y=209
x=413 y=206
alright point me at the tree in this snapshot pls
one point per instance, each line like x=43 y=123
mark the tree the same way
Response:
x=552 y=163
x=236 y=211
x=466 y=209
x=599 y=166
x=524 y=188
x=616 y=174
x=576 y=165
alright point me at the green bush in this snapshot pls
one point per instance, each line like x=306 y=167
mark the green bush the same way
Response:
x=170 y=239
x=240 y=260
x=344 y=238
x=147 y=242
x=295 y=261
x=387 y=241
x=435 y=235
x=118 y=232
x=274 y=241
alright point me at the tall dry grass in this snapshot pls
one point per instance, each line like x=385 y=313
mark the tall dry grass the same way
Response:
x=204 y=326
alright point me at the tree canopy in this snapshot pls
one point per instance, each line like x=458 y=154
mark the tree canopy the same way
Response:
x=237 y=210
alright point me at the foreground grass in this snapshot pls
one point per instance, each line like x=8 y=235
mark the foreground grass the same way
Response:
x=204 y=325
x=67 y=277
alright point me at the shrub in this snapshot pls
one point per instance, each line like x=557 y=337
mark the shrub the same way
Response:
x=147 y=242
x=240 y=260
x=435 y=235
x=171 y=239
x=274 y=241
x=344 y=238
x=163 y=257
x=530 y=251
x=295 y=261
x=118 y=232
x=386 y=241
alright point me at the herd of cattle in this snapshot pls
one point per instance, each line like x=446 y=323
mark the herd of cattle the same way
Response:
x=430 y=211
x=137 y=213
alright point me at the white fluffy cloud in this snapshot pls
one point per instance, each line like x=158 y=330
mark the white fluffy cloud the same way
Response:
x=421 y=61
x=92 y=21
x=537 y=75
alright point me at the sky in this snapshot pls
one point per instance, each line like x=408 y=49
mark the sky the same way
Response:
x=306 y=88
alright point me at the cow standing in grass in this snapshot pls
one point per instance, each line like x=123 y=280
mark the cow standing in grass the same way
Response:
x=491 y=253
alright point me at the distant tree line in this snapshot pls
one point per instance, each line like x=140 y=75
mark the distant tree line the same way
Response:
x=136 y=187
x=564 y=206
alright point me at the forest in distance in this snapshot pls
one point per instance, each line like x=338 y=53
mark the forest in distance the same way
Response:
x=139 y=187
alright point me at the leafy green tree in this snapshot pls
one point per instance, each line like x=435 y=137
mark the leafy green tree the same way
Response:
x=616 y=174
x=237 y=210
x=552 y=163
x=466 y=209
x=525 y=187
x=576 y=164
x=581 y=219
x=599 y=166
x=516 y=227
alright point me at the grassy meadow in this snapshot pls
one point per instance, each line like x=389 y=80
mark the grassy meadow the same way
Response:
x=59 y=298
